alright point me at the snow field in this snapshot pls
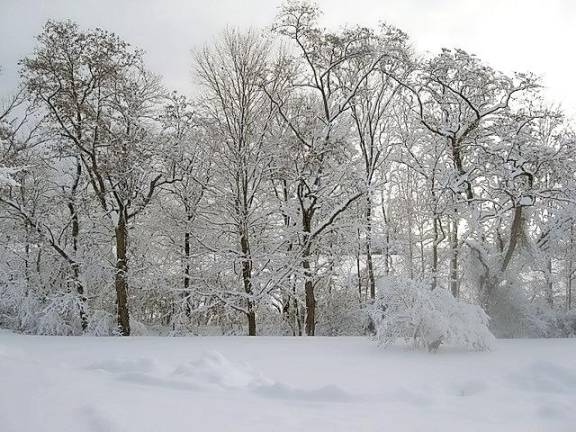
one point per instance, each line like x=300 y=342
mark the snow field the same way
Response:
x=281 y=384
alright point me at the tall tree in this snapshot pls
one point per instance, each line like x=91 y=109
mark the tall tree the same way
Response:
x=372 y=112
x=100 y=100
x=232 y=73
x=316 y=111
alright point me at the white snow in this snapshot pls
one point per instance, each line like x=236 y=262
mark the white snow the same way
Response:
x=88 y=384
x=6 y=174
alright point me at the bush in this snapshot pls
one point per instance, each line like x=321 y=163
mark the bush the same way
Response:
x=561 y=324
x=340 y=314
x=513 y=315
x=408 y=309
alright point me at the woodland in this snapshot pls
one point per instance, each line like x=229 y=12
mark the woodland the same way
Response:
x=318 y=182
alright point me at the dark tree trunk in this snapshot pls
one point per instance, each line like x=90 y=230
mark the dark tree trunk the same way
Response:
x=369 y=262
x=310 y=322
x=410 y=246
x=296 y=306
x=121 y=281
x=435 y=241
x=76 y=270
x=75 y=238
x=358 y=271
x=387 y=232
x=570 y=271
x=457 y=157
x=454 y=285
x=81 y=296
x=27 y=255
x=27 y=227
x=515 y=232
x=490 y=282
x=247 y=281
x=549 y=283
x=186 y=292
x=310 y=326
x=251 y=322
x=569 y=289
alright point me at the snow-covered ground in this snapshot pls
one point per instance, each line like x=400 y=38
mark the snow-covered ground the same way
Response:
x=281 y=384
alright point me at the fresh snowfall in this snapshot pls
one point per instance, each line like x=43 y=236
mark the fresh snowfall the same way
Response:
x=264 y=384
x=324 y=229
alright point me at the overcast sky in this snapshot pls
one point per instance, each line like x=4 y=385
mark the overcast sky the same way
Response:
x=512 y=35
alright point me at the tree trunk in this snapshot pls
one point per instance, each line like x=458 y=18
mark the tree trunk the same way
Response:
x=369 y=262
x=387 y=231
x=491 y=281
x=549 y=282
x=569 y=289
x=247 y=281
x=27 y=227
x=297 y=313
x=435 y=241
x=121 y=282
x=410 y=247
x=457 y=157
x=422 y=242
x=310 y=322
x=454 y=284
x=81 y=296
x=75 y=266
x=515 y=232
x=570 y=270
x=27 y=255
x=358 y=270
x=186 y=292
x=310 y=326
x=251 y=323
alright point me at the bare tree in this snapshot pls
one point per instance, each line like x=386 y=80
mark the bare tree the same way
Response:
x=315 y=109
x=232 y=72
x=100 y=100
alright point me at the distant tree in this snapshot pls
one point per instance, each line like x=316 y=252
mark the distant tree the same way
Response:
x=372 y=111
x=189 y=156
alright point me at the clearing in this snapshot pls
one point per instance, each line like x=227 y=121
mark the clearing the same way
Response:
x=271 y=384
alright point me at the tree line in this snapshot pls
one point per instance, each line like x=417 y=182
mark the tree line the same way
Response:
x=312 y=164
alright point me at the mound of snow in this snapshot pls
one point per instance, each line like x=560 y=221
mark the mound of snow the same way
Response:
x=215 y=369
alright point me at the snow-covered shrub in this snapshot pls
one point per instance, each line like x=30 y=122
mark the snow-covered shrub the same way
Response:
x=28 y=311
x=101 y=323
x=137 y=328
x=59 y=316
x=20 y=307
x=410 y=310
x=272 y=323
x=560 y=324
x=341 y=314
x=512 y=315
x=11 y=304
